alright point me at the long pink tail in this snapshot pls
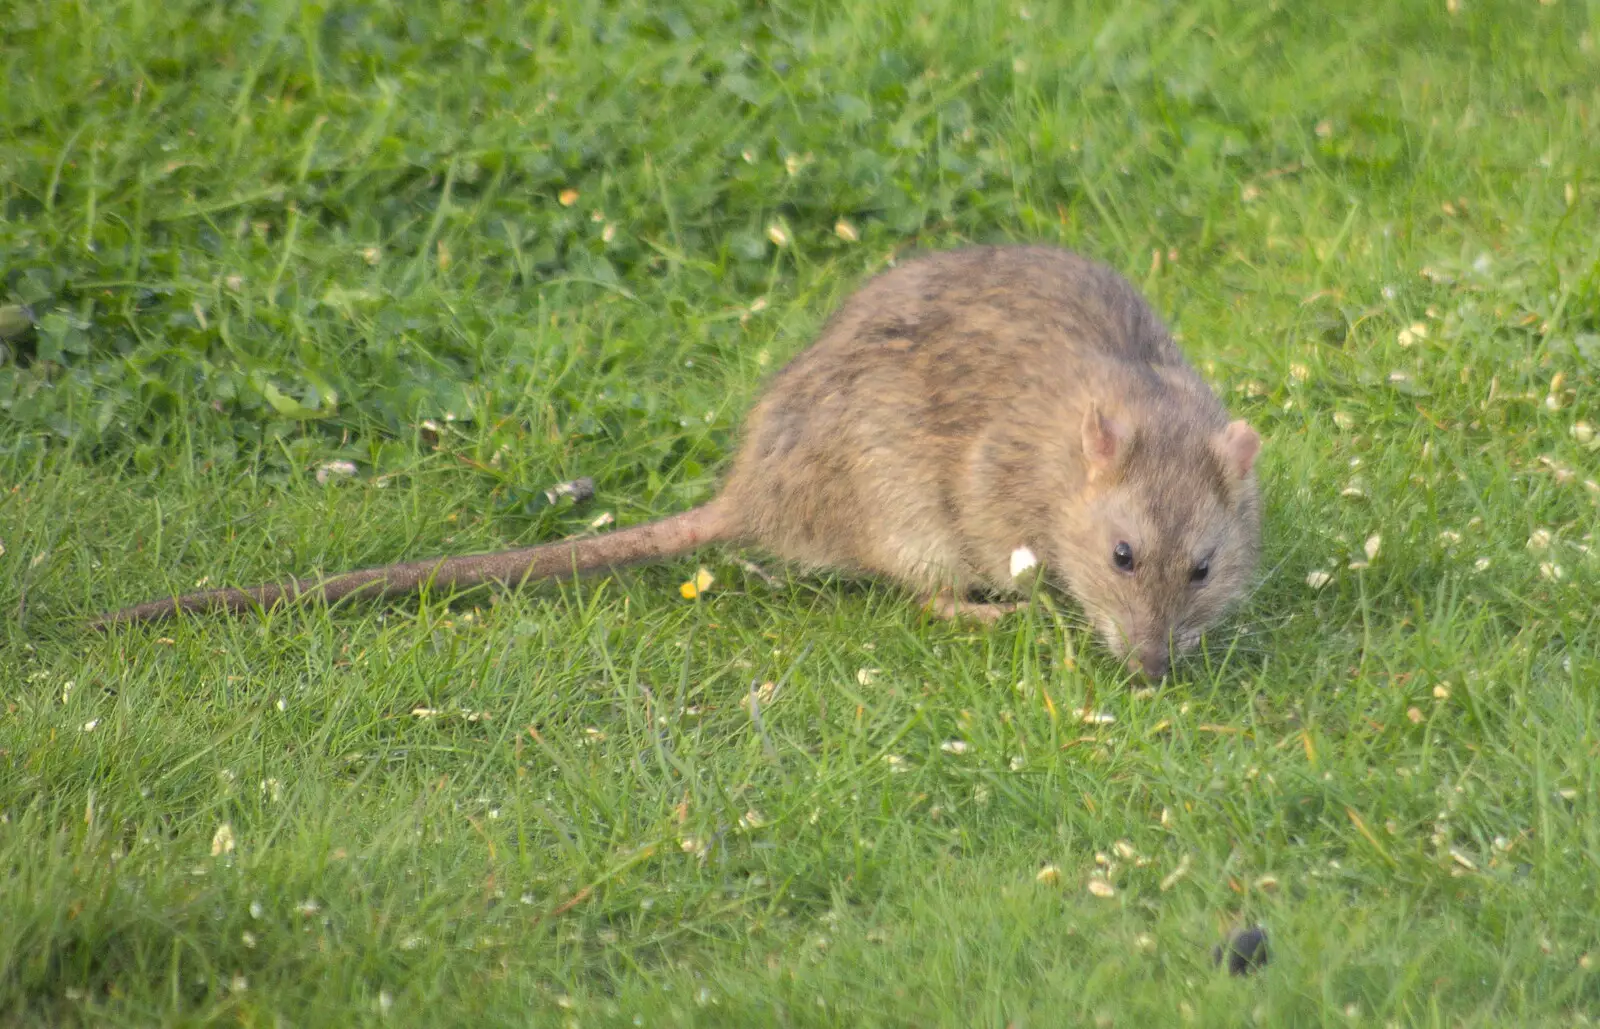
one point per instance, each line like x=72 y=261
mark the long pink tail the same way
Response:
x=673 y=535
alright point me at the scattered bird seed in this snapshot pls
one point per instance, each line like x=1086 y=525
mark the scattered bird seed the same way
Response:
x=955 y=746
x=1562 y=473
x=699 y=584
x=761 y=695
x=222 y=840
x=334 y=469
x=1049 y=875
x=1177 y=874
x=1318 y=579
x=1102 y=889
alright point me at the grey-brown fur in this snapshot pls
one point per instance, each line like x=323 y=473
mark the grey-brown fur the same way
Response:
x=958 y=407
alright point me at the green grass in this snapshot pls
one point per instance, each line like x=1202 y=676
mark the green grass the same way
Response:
x=260 y=238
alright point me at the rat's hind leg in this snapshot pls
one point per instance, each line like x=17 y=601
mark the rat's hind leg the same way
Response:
x=944 y=603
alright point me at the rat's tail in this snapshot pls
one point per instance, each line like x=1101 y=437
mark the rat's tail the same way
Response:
x=664 y=538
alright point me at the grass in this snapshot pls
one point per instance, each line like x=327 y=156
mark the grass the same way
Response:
x=479 y=248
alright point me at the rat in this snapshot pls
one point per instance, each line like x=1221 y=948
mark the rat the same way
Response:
x=964 y=416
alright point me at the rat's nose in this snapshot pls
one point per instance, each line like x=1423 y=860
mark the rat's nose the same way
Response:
x=1152 y=661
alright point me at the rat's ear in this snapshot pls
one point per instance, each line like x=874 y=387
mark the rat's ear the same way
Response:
x=1104 y=440
x=1238 y=445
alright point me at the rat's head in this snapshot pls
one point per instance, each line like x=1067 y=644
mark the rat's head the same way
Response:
x=1164 y=536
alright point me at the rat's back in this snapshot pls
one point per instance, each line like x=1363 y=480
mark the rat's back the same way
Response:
x=1002 y=302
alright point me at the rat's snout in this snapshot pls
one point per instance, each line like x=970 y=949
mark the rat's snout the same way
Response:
x=1151 y=660
x=1145 y=653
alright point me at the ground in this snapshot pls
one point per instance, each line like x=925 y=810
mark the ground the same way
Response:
x=311 y=286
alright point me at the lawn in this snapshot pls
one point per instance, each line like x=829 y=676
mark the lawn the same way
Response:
x=310 y=286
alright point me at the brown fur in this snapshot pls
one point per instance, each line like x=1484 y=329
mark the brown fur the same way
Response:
x=956 y=408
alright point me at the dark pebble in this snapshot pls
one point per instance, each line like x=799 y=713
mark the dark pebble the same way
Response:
x=1245 y=950
x=579 y=490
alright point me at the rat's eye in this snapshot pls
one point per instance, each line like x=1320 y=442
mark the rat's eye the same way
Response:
x=1200 y=571
x=1122 y=556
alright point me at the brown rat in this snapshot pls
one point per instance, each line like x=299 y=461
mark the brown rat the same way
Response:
x=959 y=410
